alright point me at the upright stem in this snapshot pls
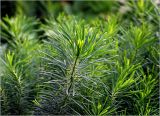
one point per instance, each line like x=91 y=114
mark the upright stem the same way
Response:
x=72 y=74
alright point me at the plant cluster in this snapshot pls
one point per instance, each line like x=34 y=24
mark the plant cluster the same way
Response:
x=74 y=66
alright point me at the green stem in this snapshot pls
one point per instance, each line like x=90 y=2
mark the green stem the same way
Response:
x=72 y=74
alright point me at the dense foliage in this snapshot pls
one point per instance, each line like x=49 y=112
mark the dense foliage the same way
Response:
x=75 y=65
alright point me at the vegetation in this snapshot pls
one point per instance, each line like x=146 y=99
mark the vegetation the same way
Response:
x=70 y=64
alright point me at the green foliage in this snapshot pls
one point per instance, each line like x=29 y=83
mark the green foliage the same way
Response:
x=16 y=86
x=69 y=65
x=18 y=77
x=144 y=10
x=84 y=58
x=72 y=49
x=145 y=98
x=18 y=30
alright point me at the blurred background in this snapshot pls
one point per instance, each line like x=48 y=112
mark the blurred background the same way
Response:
x=136 y=11
x=47 y=8
x=44 y=8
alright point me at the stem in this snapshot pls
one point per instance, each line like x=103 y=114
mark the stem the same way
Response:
x=72 y=74
x=134 y=55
